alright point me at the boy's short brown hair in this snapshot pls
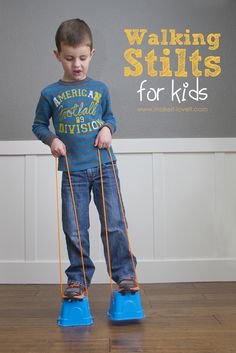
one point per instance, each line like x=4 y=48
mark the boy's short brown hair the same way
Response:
x=74 y=32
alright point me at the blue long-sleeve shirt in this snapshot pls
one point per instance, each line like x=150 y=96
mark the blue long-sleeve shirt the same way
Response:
x=78 y=110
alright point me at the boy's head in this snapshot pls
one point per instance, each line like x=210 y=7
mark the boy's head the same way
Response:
x=74 y=32
x=74 y=44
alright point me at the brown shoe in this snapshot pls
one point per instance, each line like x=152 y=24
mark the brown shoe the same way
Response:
x=128 y=285
x=74 y=291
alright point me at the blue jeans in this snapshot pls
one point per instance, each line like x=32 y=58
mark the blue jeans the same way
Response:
x=84 y=182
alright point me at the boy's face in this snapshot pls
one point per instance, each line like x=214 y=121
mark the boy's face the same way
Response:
x=75 y=61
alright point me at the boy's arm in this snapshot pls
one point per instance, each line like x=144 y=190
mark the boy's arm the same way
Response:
x=104 y=137
x=107 y=116
x=41 y=121
x=41 y=130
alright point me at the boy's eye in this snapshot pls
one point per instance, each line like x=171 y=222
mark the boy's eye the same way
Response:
x=83 y=58
x=69 y=58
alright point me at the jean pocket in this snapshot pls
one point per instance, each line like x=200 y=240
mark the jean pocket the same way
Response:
x=74 y=176
x=109 y=164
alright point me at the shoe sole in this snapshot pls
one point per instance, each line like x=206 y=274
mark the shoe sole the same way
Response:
x=74 y=297
x=130 y=290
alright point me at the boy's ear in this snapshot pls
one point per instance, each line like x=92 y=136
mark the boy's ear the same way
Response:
x=93 y=52
x=57 y=55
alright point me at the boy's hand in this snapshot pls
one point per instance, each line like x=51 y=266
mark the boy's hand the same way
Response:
x=104 y=138
x=58 y=148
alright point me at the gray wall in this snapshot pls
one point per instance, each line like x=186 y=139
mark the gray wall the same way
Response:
x=27 y=29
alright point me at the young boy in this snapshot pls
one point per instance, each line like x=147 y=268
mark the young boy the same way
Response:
x=83 y=121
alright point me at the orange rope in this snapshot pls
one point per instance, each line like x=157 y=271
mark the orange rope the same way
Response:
x=77 y=226
x=58 y=230
x=105 y=222
x=123 y=214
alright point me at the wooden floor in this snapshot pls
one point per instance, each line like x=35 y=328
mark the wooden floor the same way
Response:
x=180 y=318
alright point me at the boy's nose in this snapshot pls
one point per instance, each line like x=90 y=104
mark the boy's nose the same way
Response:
x=77 y=63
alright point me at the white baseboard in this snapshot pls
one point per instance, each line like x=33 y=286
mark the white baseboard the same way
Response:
x=201 y=270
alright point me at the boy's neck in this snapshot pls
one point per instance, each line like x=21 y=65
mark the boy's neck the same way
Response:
x=73 y=81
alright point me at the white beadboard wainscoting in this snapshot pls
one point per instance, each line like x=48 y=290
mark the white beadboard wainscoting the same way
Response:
x=180 y=200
